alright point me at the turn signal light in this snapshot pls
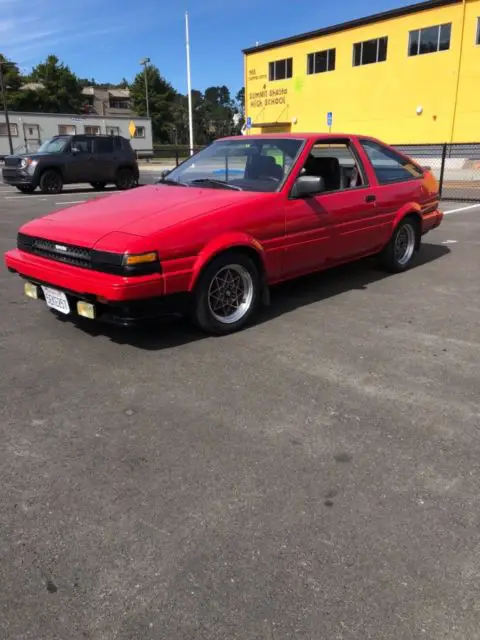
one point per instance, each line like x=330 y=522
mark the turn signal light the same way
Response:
x=140 y=258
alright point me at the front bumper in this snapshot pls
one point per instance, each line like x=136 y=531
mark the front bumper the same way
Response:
x=17 y=176
x=84 y=282
x=120 y=300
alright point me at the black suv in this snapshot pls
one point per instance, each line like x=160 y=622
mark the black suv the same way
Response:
x=97 y=160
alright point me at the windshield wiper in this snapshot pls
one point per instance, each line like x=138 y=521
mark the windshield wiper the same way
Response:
x=219 y=183
x=175 y=183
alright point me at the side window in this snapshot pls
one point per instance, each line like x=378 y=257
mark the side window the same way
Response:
x=388 y=165
x=84 y=145
x=103 y=145
x=337 y=164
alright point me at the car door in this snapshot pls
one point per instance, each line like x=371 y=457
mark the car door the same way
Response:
x=334 y=225
x=105 y=159
x=78 y=166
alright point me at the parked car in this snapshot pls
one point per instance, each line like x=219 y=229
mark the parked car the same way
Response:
x=97 y=160
x=241 y=215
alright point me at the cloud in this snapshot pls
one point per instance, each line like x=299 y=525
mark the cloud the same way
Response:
x=28 y=40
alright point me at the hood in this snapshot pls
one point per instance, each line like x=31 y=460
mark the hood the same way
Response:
x=139 y=212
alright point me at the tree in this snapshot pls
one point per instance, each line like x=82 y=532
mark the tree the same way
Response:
x=161 y=98
x=13 y=82
x=62 y=91
x=240 y=102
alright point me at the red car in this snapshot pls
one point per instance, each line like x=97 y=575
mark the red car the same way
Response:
x=217 y=231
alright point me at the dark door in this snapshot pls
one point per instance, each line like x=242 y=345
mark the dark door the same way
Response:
x=105 y=151
x=78 y=161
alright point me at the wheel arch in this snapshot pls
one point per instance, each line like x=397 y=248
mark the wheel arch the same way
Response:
x=411 y=210
x=241 y=242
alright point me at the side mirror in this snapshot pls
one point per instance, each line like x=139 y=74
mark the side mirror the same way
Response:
x=75 y=151
x=307 y=186
x=164 y=173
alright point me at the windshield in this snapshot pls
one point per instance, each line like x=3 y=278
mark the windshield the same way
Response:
x=56 y=145
x=257 y=164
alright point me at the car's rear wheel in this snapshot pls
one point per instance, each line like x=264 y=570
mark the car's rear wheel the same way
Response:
x=26 y=188
x=125 y=179
x=51 y=182
x=227 y=294
x=399 y=253
x=99 y=186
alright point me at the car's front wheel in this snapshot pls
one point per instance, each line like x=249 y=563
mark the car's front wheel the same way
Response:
x=227 y=294
x=399 y=253
x=51 y=182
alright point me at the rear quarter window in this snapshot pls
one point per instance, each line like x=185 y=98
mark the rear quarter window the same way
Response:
x=388 y=165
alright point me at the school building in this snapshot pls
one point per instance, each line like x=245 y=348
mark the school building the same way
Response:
x=407 y=76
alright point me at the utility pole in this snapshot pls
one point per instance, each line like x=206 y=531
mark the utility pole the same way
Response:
x=144 y=62
x=5 y=108
x=189 y=84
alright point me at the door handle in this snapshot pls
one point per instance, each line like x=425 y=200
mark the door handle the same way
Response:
x=370 y=198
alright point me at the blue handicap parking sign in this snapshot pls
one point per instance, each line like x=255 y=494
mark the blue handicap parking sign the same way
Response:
x=249 y=123
x=329 y=119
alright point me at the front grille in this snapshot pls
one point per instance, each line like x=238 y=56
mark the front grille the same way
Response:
x=12 y=161
x=103 y=261
x=69 y=254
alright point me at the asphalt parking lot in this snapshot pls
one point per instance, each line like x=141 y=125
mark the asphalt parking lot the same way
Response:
x=313 y=477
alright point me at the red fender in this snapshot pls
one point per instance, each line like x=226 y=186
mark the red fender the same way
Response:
x=407 y=209
x=223 y=243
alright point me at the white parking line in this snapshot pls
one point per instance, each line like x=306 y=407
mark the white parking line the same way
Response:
x=470 y=206
x=70 y=202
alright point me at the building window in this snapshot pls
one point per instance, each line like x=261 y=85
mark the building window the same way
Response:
x=119 y=104
x=67 y=129
x=477 y=39
x=13 y=129
x=321 y=61
x=92 y=131
x=370 y=51
x=430 y=40
x=113 y=131
x=140 y=132
x=280 y=69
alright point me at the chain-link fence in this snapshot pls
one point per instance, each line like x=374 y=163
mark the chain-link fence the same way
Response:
x=456 y=167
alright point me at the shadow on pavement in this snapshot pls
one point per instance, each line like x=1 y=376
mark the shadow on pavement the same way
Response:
x=285 y=298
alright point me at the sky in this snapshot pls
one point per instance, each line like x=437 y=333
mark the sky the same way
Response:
x=106 y=39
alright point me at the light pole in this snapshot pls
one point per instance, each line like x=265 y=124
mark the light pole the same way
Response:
x=5 y=108
x=144 y=62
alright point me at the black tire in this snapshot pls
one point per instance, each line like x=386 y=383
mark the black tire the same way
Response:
x=25 y=188
x=219 y=321
x=125 y=179
x=99 y=186
x=51 y=181
x=399 y=253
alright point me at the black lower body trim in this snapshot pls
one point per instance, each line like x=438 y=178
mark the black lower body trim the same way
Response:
x=128 y=313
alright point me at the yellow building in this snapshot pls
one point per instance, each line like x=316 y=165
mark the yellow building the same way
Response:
x=411 y=75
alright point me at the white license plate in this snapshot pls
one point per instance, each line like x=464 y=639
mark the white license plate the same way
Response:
x=56 y=300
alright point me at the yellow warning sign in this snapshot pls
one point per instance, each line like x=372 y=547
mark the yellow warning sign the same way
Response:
x=132 y=128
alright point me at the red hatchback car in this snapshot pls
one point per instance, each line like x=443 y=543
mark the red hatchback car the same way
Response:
x=217 y=231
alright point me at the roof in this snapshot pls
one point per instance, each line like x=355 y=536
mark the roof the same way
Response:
x=295 y=136
x=360 y=22
x=119 y=93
